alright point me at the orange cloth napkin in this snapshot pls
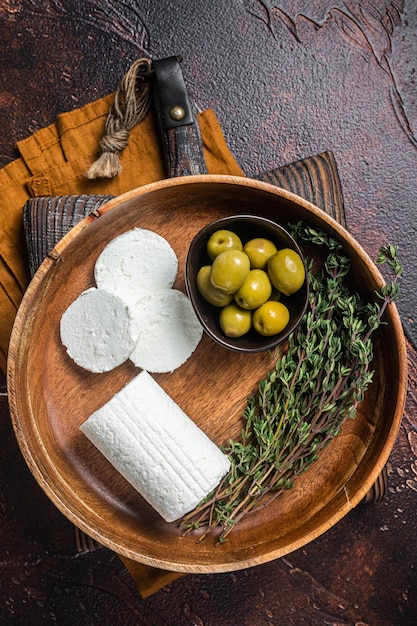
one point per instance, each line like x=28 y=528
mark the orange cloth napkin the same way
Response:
x=53 y=162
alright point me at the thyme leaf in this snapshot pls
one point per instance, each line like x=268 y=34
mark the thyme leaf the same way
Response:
x=318 y=383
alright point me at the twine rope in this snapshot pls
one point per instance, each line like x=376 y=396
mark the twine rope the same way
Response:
x=131 y=105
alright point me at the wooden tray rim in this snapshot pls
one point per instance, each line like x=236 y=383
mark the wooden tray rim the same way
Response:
x=16 y=347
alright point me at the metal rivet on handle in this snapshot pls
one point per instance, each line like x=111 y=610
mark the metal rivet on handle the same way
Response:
x=177 y=113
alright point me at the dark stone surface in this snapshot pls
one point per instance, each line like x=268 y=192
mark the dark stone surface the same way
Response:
x=287 y=79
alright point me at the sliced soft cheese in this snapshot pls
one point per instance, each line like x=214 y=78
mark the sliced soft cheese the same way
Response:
x=157 y=447
x=99 y=330
x=136 y=261
x=170 y=331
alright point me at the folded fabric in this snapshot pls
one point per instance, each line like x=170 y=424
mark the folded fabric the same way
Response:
x=53 y=162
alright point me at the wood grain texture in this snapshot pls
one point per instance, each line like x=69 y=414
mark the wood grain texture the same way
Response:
x=270 y=117
x=314 y=178
x=47 y=219
x=183 y=152
x=58 y=398
x=287 y=79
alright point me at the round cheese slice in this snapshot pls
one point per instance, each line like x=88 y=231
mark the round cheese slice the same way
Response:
x=134 y=262
x=99 y=330
x=170 y=331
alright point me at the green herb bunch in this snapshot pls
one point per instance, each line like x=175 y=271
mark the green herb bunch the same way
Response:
x=314 y=387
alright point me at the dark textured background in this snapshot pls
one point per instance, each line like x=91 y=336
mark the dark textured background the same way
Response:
x=286 y=79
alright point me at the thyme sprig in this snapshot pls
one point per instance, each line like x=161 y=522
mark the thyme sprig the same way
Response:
x=318 y=383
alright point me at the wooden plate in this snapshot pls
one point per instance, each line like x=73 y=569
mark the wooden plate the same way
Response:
x=50 y=396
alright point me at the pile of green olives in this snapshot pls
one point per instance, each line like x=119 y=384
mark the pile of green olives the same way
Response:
x=246 y=282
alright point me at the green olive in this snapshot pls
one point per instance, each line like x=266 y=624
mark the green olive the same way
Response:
x=271 y=318
x=222 y=240
x=211 y=294
x=229 y=270
x=235 y=321
x=286 y=271
x=259 y=250
x=254 y=291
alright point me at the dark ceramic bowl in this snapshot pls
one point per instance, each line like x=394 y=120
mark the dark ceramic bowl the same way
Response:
x=247 y=227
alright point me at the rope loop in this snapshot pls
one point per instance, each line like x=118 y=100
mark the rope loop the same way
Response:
x=131 y=105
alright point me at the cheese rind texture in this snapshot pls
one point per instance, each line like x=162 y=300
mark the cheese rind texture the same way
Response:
x=157 y=448
x=134 y=262
x=170 y=331
x=99 y=330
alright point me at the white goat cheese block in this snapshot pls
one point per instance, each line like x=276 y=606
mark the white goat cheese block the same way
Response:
x=99 y=330
x=136 y=261
x=170 y=331
x=158 y=449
